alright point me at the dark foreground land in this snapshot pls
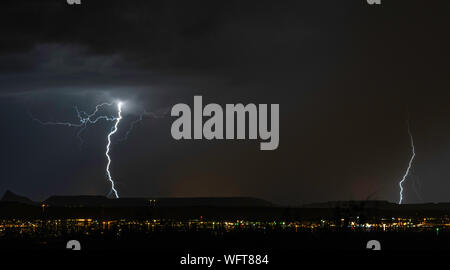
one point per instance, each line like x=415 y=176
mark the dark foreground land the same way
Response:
x=238 y=225
x=241 y=242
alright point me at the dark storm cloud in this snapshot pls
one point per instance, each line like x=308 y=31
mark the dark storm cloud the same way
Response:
x=172 y=34
x=152 y=32
x=344 y=75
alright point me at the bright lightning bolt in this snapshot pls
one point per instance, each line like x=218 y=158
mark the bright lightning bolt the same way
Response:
x=409 y=165
x=113 y=130
x=84 y=120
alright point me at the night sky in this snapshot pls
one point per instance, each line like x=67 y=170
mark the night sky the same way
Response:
x=347 y=76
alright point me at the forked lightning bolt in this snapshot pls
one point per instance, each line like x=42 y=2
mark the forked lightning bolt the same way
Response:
x=413 y=151
x=113 y=130
x=86 y=119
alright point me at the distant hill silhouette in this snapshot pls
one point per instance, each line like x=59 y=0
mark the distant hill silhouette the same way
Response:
x=74 y=201
x=228 y=208
x=351 y=204
x=10 y=196
x=376 y=204
x=217 y=202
